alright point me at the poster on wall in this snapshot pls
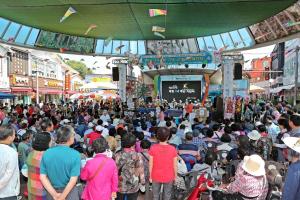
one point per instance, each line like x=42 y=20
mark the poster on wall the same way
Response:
x=229 y=110
x=181 y=90
x=122 y=81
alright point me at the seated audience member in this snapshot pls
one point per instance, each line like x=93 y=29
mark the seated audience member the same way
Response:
x=174 y=138
x=181 y=132
x=250 y=181
x=111 y=140
x=243 y=142
x=198 y=141
x=147 y=134
x=225 y=146
x=217 y=134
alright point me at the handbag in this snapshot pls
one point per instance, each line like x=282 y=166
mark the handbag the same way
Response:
x=98 y=170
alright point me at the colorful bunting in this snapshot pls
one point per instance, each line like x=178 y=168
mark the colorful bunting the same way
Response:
x=91 y=27
x=158 y=29
x=107 y=41
x=159 y=35
x=69 y=12
x=157 y=12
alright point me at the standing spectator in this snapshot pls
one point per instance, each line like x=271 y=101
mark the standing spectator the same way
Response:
x=100 y=173
x=130 y=168
x=111 y=140
x=24 y=147
x=295 y=125
x=162 y=165
x=9 y=170
x=93 y=135
x=40 y=143
x=58 y=174
x=291 y=190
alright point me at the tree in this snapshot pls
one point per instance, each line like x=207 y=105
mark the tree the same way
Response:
x=80 y=67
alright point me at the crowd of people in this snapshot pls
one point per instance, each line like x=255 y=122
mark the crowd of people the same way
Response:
x=97 y=150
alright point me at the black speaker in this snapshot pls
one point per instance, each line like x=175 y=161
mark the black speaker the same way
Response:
x=281 y=54
x=238 y=71
x=115 y=73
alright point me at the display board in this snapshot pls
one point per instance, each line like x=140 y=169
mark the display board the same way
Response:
x=181 y=90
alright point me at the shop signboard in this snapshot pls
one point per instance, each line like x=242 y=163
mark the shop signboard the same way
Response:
x=19 y=81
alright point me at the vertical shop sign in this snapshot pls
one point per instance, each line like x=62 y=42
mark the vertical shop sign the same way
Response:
x=122 y=81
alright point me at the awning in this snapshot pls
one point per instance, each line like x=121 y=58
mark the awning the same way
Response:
x=21 y=89
x=5 y=90
x=71 y=92
x=6 y=96
x=278 y=89
x=50 y=91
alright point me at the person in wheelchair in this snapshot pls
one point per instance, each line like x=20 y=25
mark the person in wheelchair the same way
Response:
x=189 y=152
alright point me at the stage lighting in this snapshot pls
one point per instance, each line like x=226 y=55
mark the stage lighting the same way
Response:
x=203 y=65
x=186 y=65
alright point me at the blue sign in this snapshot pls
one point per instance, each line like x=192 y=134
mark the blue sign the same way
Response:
x=199 y=58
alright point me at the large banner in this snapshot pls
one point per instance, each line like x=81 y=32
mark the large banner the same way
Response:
x=122 y=81
x=181 y=90
x=228 y=78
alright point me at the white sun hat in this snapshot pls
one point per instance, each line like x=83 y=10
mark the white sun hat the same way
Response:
x=254 y=165
x=293 y=143
x=254 y=135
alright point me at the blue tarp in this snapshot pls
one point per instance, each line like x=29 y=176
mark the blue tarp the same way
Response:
x=6 y=96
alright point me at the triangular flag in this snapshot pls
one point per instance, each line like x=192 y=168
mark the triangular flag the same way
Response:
x=159 y=35
x=157 y=12
x=107 y=41
x=69 y=12
x=158 y=29
x=91 y=27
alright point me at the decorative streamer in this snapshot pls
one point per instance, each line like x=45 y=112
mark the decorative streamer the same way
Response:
x=157 y=12
x=120 y=47
x=159 y=35
x=69 y=12
x=158 y=29
x=91 y=27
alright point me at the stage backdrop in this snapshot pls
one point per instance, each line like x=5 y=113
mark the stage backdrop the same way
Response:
x=181 y=90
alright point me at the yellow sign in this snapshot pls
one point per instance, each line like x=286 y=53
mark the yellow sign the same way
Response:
x=103 y=79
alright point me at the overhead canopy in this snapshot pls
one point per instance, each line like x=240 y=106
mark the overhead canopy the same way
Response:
x=129 y=19
x=6 y=96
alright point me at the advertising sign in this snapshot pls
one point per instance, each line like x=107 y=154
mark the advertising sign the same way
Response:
x=202 y=57
x=181 y=90
x=228 y=78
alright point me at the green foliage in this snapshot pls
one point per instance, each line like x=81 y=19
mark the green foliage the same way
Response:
x=80 y=67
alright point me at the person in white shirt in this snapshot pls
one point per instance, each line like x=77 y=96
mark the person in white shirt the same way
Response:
x=105 y=131
x=91 y=126
x=105 y=116
x=9 y=168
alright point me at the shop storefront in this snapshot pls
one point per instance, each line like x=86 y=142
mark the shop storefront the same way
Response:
x=50 y=90
x=21 y=87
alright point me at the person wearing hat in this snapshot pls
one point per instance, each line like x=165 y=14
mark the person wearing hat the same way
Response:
x=93 y=135
x=250 y=181
x=40 y=144
x=291 y=190
x=90 y=129
x=24 y=147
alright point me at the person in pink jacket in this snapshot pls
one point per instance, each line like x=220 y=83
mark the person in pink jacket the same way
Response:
x=100 y=174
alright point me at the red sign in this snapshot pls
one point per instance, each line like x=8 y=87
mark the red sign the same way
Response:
x=68 y=82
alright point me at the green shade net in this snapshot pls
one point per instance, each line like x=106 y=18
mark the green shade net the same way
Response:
x=130 y=19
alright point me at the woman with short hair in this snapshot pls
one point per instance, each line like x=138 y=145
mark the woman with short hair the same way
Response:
x=100 y=173
x=40 y=144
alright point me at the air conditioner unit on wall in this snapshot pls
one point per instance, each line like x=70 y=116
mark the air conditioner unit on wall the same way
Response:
x=3 y=51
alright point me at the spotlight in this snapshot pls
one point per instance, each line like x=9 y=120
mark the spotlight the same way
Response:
x=186 y=65
x=203 y=65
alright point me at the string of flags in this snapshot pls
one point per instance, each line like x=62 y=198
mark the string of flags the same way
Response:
x=67 y=14
x=158 y=30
